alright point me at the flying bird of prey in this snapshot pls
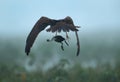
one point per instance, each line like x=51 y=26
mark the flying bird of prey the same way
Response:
x=64 y=25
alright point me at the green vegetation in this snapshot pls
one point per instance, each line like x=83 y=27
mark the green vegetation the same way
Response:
x=58 y=74
x=66 y=66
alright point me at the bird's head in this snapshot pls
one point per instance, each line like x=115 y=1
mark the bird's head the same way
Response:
x=68 y=20
x=48 y=40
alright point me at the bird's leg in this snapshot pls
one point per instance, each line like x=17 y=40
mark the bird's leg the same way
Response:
x=56 y=33
x=67 y=37
x=62 y=46
x=66 y=43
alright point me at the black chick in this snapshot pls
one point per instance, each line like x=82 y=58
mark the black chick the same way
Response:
x=59 y=39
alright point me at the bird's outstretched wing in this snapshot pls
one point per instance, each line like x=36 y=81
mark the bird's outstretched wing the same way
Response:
x=64 y=25
x=40 y=25
x=78 y=43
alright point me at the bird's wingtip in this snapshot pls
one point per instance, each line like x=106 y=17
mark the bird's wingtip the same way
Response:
x=27 y=53
x=27 y=50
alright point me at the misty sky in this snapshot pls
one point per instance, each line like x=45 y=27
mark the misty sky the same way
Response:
x=17 y=17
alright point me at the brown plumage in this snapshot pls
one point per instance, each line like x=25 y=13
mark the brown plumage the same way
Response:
x=64 y=25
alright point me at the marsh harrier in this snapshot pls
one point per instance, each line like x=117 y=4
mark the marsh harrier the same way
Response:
x=64 y=25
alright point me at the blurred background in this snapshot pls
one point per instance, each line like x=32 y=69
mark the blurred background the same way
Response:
x=99 y=40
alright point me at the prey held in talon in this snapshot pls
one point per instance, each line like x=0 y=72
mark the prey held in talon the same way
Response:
x=60 y=40
x=55 y=26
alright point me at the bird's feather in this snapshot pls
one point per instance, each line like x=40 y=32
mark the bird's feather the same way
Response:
x=41 y=24
x=78 y=43
x=62 y=26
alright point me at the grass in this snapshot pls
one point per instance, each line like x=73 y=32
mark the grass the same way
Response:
x=12 y=59
x=58 y=74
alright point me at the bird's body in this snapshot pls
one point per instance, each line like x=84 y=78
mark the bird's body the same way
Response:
x=57 y=38
x=64 y=25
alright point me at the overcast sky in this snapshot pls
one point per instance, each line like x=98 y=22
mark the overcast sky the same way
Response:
x=17 y=17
